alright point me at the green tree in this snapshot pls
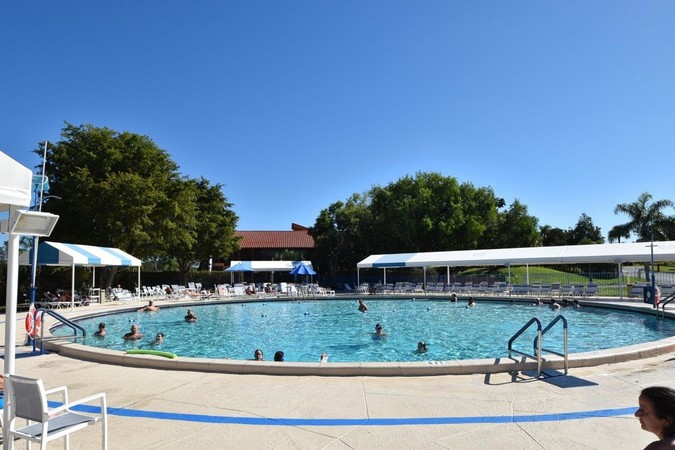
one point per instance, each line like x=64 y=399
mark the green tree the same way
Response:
x=517 y=228
x=118 y=189
x=550 y=236
x=585 y=232
x=647 y=219
x=210 y=222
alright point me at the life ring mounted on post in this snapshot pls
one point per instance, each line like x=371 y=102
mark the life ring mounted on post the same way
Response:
x=33 y=322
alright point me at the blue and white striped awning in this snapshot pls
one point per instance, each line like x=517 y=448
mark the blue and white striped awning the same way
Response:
x=60 y=254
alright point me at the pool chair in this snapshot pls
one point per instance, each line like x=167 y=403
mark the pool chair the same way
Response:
x=26 y=399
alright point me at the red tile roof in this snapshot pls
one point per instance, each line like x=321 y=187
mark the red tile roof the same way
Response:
x=275 y=239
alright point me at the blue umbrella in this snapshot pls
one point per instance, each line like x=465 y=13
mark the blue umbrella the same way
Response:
x=243 y=266
x=302 y=269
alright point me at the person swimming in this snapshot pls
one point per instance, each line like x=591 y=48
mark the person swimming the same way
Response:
x=422 y=347
x=101 y=332
x=258 y=355
x=190 y=316
x=133 y=335
x=362 y=306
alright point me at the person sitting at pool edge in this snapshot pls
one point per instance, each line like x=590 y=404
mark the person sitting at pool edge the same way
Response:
x=133 y=335
x=190 y=316
x=279 y=356
x=150 y=307
x=159 y=338
x=657 y=415
x=362 y=306
x=101 y=330
x=258 y=354
x=422 y=347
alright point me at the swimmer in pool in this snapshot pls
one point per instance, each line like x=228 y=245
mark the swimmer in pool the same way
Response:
x=324 y=358
x=258 y=355
x=362 y=306
x=422 y=347
x=150 y=307
x=133 y=335
x=159 y=338
x=471 y=303
x=101 y=330
x=379 y=331
x=190 y=316
x=554 y=304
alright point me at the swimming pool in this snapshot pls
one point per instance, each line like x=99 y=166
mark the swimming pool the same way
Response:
x=304 y=330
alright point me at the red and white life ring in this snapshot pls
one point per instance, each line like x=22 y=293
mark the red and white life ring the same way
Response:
x=33 y=322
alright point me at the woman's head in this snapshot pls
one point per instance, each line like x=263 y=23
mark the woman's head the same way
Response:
x=258 y=354
x=657 y=410
x=101 y=326
x=279 y=356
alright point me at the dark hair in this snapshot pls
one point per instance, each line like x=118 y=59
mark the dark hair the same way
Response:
x=279 y=356
x=663 y=400
x=101 y=325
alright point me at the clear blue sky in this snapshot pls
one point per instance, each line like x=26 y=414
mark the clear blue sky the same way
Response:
x=293 y=105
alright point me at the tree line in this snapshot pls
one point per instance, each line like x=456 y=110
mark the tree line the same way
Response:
x=119 y=189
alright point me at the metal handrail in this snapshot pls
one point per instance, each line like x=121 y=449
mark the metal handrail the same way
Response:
x=537 y=351
x=565 y=349
x=663 y=304
x=63 y=320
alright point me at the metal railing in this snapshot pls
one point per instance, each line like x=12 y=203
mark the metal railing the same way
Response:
x=537 y=345
x=66 y=322
x=537 y=351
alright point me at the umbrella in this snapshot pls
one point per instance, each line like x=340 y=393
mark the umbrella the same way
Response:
x=243 y=266
x=302 y=269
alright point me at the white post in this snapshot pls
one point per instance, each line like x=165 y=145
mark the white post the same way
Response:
x=72 y=289
x=10 y=309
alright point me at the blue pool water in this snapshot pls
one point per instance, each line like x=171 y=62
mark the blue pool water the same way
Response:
x=304 y=330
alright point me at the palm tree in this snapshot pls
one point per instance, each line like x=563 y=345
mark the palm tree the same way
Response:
x=647 y=220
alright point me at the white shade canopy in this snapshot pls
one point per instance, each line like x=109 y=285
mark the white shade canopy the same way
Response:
x=15 y=183
x=566 y=254
x=271 y=266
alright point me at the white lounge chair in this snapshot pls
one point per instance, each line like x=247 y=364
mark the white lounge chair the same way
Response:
x=27 y=399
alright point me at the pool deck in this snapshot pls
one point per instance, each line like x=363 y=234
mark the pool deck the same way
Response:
x=589 y=408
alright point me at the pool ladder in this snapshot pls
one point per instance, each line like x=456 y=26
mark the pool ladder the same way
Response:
x=663 y=304
x=538 y=348
x=65 y=322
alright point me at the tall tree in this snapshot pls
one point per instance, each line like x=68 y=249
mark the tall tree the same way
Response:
x=517 y=228
x=647 y=219
x=211 y=225
x=585 y=232
x=551 y=237
x=117 y=189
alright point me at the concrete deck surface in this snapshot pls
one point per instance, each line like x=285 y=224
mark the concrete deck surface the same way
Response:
x=591 y=408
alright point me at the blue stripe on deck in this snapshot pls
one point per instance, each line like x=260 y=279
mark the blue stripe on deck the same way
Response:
x=281 y=421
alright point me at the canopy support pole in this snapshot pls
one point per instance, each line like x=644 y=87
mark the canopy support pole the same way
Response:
x=384 y=271
x=447 y=275
x=620 y=280
x=72 y=289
